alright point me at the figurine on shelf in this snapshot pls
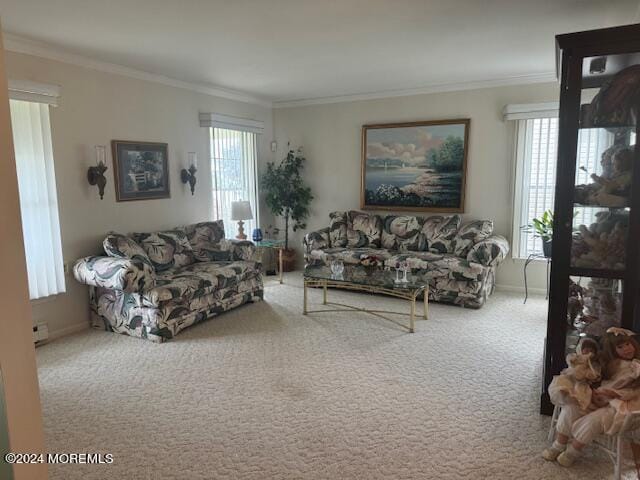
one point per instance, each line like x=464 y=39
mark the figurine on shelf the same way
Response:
x=602 y=306
x=573 y=385
x=576 y=303
x=613 y=187
x=606 y=160
x=602 y=244
x=616 y=104
x=618 y=395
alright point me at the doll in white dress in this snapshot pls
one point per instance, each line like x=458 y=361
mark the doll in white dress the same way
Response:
x=574 y=384
x=617 y=396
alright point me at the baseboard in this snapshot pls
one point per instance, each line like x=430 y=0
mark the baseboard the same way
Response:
x=63 y=332
x=519 y=289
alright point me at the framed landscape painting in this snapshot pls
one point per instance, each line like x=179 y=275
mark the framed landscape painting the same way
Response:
x=418 y=166
x=140 y=169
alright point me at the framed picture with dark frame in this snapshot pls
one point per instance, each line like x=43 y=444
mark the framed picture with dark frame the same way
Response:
x=141 y=170
x=416 y=166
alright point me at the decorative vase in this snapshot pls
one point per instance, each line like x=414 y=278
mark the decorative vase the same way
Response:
x=257 y=235
x=546 y=248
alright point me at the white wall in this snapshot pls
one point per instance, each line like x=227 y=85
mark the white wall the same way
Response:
x=96 y=108
x=330 y=135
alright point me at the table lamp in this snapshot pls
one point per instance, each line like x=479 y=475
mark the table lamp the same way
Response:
x=241 y=211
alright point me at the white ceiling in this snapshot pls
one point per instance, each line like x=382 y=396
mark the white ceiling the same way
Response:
x=284 y=50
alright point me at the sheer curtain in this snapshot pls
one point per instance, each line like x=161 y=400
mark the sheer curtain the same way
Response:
x=233 y=172
x=38 y=198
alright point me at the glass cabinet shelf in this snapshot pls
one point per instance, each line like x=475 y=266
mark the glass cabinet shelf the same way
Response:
x=596 y=272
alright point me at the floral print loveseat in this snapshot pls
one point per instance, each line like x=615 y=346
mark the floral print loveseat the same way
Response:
x=458 y=261
x=153 y=285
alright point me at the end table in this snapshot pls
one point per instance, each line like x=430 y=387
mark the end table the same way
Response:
x=274 y=244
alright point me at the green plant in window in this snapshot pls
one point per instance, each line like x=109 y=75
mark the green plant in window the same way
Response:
x=542 y=226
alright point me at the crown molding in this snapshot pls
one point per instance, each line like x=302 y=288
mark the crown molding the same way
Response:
x=546 y=77
x=19 y=44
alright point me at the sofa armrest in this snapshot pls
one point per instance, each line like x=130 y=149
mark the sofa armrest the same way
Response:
x=238 y=249
x=316 y=240
x=490 y=251
x=124 y=274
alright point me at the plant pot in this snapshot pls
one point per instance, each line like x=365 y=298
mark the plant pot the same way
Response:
x=288 y=260
x=546 y=248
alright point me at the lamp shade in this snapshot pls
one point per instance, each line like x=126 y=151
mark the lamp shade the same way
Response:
x=241 y=210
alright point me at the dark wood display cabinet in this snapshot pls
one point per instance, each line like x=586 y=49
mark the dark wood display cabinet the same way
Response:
x=596 y=237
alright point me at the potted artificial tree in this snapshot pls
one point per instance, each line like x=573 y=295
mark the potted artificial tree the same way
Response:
x=542 y=228
x=288 y=197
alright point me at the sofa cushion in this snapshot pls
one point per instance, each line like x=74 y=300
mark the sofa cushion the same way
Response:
x=205 y=233
x=121 y=246
x=218 y=300
x=470 y=234
x=490 y=251
x=212 y=253
x=439 y=232
x=198 y=279
x=403 y=233
x=363 y=230
x=166 y=249
x=432 y=265
x=351 y=256
x=125 y=274
x=205 y=239
x=338 y=229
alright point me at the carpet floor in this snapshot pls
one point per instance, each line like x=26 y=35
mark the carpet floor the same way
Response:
x=265 y=392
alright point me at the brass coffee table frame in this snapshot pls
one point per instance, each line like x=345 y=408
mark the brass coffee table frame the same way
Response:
x=408 y=293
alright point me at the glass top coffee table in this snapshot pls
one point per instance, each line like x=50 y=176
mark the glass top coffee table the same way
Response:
x=362 y=279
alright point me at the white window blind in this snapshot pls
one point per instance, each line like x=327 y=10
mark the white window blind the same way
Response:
x=38 y=198
x=536 y=177
x=234 y=173
x=536 y=157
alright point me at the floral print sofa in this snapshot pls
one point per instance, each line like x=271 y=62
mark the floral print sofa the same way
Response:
x=458 y=261
x=153 y=285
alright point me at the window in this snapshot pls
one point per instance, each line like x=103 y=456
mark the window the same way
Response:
x=38 y=198
x=233 y=171
x=535 y=180
x=536 y=157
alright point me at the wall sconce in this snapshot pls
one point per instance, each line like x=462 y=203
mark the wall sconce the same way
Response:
x=95 y=175
x=189 y=176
